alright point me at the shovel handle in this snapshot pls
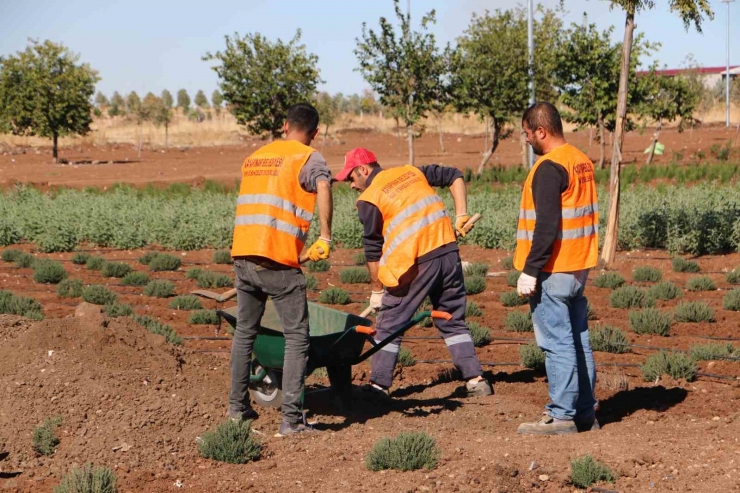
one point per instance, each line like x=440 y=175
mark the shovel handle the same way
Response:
x=367 y=311
x=304 y=257
x=469 y=224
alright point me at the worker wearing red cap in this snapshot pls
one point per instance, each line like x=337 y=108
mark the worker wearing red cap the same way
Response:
x=411 y=251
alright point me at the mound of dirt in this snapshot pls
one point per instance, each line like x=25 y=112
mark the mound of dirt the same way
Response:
x=127 y=399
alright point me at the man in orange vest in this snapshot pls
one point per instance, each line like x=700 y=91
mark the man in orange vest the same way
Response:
x=281 y=184
x=557 y=243
x=412 y=253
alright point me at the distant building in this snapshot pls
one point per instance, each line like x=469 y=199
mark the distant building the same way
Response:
x=710 y=76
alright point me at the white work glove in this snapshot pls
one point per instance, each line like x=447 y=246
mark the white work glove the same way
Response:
x=376 y=300
x=526 y=285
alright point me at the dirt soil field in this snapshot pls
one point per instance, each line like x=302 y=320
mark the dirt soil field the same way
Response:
x=119 y=163
x=137 y=405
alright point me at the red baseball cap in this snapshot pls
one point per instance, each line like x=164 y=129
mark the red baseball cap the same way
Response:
x=354 y=158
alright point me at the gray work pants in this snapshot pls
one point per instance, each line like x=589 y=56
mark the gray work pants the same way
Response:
x=287 y=289
x=442 y=280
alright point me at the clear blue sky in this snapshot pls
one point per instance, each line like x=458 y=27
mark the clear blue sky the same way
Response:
x=156 y=44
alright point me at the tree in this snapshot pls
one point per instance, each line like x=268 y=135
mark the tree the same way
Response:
x=403 y=69
x=167 y=100
x=327 y=108
x=183 y=101
x=201 y=101
x=690 y=11
x=101 y=100
x=138 y=111
x=117 y=105
x=260 y=79
x=490 y=68
x=217 y=100
x=159 y=112
x=44 y=91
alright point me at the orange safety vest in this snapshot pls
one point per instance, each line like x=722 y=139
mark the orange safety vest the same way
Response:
x=577 y=244
x=273 y=212
x=415 y=221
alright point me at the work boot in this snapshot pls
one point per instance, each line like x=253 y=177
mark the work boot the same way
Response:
x=481 y=388
x=587 y=423
x=248 y=413
x=376 y=391
x=287 y=429
x=548 y=426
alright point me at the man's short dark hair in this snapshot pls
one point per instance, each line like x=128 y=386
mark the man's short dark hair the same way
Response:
x=303 y=117
x=544 y=115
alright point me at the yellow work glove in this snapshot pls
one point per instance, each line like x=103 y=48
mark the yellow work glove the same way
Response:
x=319 y=250
x=460 y=221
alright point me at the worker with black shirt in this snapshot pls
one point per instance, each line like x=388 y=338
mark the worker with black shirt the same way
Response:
x=411 y=251
x=557 y=243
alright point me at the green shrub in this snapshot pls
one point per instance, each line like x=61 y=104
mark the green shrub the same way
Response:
x=731 y=301
x=88 y=479
x=312 y=284
x=115 y=269
x=680 y=264
x=222 y=257
x=407 y=452
x=694 y=311
x=507 y=263
x=48 y=272
x=512 y=278
x=135 y=278
x=147 y=257
x=405 y=357
x=25 y=260
x=20 y=305
x=187 y=302
x=203 y=317
x=45 y=440
x=479 y=269
x=586 y=471
x=532 y=356
x=475 y=284
x=116 y=310
x=608 y=339
x=95 y=263
x=733 y=277
x=358 y=258
x=517 y=321
x=194 y=273
x=647 y=274
x=630 y=297
x=701 y=283
x=425 y=306
x=158 y=328
x=164 y=262
x=480 y=334
x=665 y=291
x=159 y=288
x=512 y=298
x=609 y=280
x=98 y=295
x=11 y=254
x=472 y=309
x=712 y=350
x=207 y=279
x=318 y=266
x=355 y=275
x=677 y=365
x=650 y=321
x=232 y=441
x=80 y=258
x=70 y=288
x=591 y=312
x=334 y=296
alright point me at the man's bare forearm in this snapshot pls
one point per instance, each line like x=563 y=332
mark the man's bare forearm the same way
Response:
x=374 y=281
x=326 y=207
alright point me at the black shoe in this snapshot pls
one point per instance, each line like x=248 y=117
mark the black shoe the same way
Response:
x=287 y=429
x=248 y=413
x=587 y=423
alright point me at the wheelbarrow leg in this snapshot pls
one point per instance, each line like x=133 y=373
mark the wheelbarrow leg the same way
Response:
x=340 y=379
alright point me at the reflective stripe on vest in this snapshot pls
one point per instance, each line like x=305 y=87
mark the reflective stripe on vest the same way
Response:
x=565 y=234
x=274 y=201
x=271 y=222
x=568 y=212
x=414 y=228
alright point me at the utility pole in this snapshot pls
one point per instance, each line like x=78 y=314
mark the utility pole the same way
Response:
x=530 y=43
x=727 y=73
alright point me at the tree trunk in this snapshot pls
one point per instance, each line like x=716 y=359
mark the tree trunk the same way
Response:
x=139 y=140
x=55 y=148
x=655 y=142
x=439 y=130
x=398 y=134
x=612 y=227
x=525 y=150
x=495 y=130
x=485 y=135
x=410 y=138
x=166 y=133
x=323 y=141
x=602 y=143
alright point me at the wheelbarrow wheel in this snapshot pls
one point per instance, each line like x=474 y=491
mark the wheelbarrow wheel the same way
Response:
x=340 y=379
x=267 y=393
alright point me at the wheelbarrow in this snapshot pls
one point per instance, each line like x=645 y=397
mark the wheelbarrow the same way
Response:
x=336 y=342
